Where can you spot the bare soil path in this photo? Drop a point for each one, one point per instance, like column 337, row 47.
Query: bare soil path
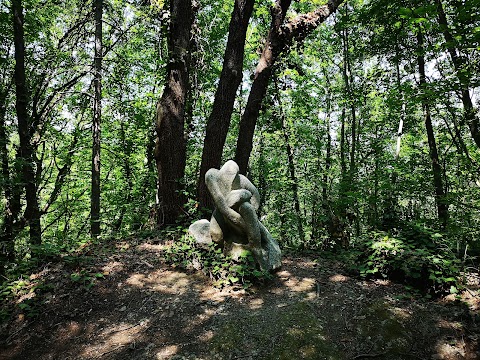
column 143, row 308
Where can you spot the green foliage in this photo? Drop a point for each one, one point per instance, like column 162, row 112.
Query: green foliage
column 85, row 278
column 27, row 291
column 223, row 270
column 414, row 256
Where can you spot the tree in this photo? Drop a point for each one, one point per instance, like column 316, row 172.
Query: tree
column 440, row 197
column 97, row 118
column 26, row 127
column 279, row 40
column 463, row 74
column 219, row 120
column 170, row 147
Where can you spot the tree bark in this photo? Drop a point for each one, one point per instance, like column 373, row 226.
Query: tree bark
column 230, row 78
column 25, row 128
column 97, row 117
column 470, row 115
column 442, row 207
column 279, row 39
column 170, row 147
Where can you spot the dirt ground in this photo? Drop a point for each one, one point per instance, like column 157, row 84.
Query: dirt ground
column 143, row 308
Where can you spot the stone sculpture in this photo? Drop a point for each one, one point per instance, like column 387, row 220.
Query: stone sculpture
column 234, row 224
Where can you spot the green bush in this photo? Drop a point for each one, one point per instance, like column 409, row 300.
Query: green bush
column 414, row 257
column 223, row 270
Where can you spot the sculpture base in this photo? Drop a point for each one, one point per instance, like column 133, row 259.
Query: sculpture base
column 268, row 256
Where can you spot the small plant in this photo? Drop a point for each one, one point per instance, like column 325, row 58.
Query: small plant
column 27, row 291
column 223, row 270
column 85, row 278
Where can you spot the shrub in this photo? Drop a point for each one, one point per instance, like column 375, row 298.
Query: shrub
column 414, row 257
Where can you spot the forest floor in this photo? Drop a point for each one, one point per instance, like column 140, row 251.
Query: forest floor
column 142, row 308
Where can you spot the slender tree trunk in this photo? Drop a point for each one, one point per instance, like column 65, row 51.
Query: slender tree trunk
column 279, row 40
column 343, row 164
column 328, row 157
column 440, row 200
column 230, row 78
column 346, row 71
column 470, row 114
column 128, row 177
column 26, row 150
column 262, row 183
column 170, row 147
column 291, row 167
column 97, row 117
column 390, row 216
column 7, row 251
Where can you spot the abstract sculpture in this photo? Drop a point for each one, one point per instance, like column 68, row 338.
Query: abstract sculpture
column 234, row 224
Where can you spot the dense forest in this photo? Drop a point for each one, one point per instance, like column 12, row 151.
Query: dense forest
column 357, row 120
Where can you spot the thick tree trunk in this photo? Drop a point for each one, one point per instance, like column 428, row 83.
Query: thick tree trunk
column 219, row 120
column 279, row 39
column 25, row 130
column 170, row 147
column 440, row 199
column 470, row 115
column 97, row 117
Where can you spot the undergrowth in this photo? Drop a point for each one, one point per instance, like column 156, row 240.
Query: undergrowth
column 414, row 255
column 223, row 270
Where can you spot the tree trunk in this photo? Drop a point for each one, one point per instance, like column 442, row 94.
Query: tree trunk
column 279, row 39
column 219, row 120
column 170, row 147
column 25, row 128
column 470, row 115
column 97, row 117
column 291, row 167
column 346, row 72
column 7, row 245
column 440, row 200
column 128, row 178
column 328, row 158
column 390, row 216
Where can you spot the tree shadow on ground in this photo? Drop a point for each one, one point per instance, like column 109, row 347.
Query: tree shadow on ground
column 145, row 309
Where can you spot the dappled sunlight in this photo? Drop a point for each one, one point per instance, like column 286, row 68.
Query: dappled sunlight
column 115, row 337
column 68, row 331
column 300, row 284
column 451, row 350
column 338, row 278
column 296, row 284
column 112, row 267
column 212, row 294
column 122, row 245
column 137, row 280
column 206, row 336
column 167, row 351
column 256, row 303
column 153, row 248
column 401, row 313
column 445, row 324
column 170, row 282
